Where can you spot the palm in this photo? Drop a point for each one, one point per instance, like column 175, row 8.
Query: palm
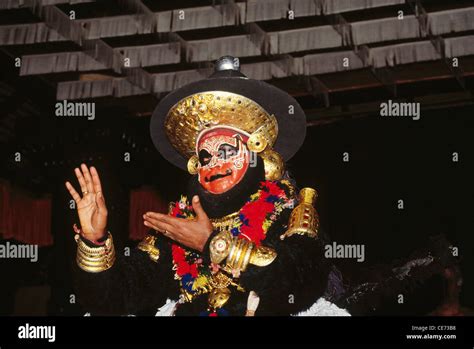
column 191, row 233
column 91, row 206
column 89, row 215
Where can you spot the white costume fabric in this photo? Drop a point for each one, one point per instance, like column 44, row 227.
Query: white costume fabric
column 322, row 307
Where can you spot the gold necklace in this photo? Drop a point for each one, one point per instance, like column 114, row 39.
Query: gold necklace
column 226, row 223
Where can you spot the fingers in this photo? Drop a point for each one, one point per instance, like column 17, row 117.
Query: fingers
column 88, row 178
column 77, row 230
column 200, row 213
column 99, row 200
column 173, row 221
column 158, row 224
column 73, row 192
column 99, row 197
column 81, row 179
column 96, row 180
column 166, row 229
column 163, row 223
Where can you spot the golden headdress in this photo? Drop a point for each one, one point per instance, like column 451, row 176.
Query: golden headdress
column 273, row 119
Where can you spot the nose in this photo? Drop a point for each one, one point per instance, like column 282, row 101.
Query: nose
column 214, row 162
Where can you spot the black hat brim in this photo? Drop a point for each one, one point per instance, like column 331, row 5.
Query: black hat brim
column 289, row 114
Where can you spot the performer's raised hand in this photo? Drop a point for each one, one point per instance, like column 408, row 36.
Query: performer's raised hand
column 91, row 206
column 192, row 233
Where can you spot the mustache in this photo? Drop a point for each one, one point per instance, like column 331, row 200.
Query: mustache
column 228, row 172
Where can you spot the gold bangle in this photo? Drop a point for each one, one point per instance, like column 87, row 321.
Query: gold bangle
column 247, row 255
column 95, row 259
column 92, row 269
column 95, row 254
column 95, row 265
column 89, row 263
column 232, row 260
column 106, row 264
column 240, row 257
column 95, row 250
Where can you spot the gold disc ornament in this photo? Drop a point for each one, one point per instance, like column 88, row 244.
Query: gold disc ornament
column 257, row 143
column 193, row 165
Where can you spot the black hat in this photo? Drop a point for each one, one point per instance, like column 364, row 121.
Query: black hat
column 227, row 98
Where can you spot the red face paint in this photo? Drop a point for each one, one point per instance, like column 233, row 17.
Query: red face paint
column 223, row 159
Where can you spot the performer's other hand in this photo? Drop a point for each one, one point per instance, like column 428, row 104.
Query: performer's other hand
column 192, row 233
column 91, row 206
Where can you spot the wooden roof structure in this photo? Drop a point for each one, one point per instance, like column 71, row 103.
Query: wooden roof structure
column 331, row 55
column 338, row 58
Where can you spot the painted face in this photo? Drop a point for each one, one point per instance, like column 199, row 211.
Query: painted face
column 223, row 160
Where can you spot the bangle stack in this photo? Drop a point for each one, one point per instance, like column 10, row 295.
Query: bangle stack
column 238, row 253
column 95, row 259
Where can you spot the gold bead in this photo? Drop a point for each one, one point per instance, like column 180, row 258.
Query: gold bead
column 202, row 108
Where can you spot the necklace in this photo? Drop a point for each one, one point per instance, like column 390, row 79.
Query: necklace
column 226, row 223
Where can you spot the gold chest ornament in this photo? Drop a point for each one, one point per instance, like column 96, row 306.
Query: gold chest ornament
column 234, row 254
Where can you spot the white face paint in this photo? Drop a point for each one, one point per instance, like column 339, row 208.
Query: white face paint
column 222, row 150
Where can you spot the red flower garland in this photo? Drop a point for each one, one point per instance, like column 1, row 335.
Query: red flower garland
column 254, row 213
column 183, row 267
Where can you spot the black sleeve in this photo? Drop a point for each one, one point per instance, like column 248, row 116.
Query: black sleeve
column 135, row 284
column 295, row 279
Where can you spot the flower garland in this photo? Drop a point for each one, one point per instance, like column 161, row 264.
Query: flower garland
column 256, row 216
column 262, row 209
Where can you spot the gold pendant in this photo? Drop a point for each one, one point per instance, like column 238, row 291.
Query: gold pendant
column 217, row 298
column 220, row 292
